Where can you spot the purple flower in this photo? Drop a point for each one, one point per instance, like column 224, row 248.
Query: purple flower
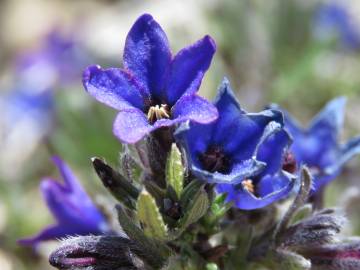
column 242, row 152
column 72, row 208
column 318, row 145
column 59, row 59
column 154, row 89
column 335, row 18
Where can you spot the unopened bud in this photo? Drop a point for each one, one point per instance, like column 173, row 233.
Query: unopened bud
column 341, row 256
column 319, row 229
column 94, row 253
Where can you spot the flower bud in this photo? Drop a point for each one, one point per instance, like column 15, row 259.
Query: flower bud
column 316, row 230
column 340, row 256
column 94, row 253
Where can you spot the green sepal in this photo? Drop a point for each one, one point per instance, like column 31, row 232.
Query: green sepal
column 219, row 207
column 196, row 208
column 150, row 218
column 129, row 166
column 302, row 213
column 175, row 171
column 190, row 192
column 157, row 192
column 287, row 260
column 122, row 189
column 152, row 251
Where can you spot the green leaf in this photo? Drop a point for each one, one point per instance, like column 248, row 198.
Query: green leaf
column 218, row 208
column 150, row 217
column 175, row 170
column 130, row 168
column 196, row 208
column 152, row 251
column 190, row 192
column 119, row 187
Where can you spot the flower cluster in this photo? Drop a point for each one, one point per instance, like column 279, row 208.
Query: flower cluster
column 199, row 181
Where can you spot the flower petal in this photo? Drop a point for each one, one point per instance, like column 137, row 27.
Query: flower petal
column 348, row 151
column 50, row 233
column 56, row 197
column 247, row 128
column 240, row 171
column 69, row 203
column 343, row 155
column 72, row 184
column 131, row 125
column 291, row 125
column 188, row 68
column 147, row 54
column 195, row 138
column 272, row 151
column 115, row 88
column 270, row 192
column 195, row 108
column 326, row 125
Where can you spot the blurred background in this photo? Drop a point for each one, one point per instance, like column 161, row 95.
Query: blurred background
column 298, row 53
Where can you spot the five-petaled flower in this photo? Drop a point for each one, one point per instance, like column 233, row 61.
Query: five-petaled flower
column 318, row 145
column 72, row 208
column 241, row 152
column 154, row 89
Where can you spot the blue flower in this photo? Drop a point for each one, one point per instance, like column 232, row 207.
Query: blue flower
column 72, row 208
column 154, row 89
column 318, row 145
column 241, row 152
column 335, row 18
column 58, row 61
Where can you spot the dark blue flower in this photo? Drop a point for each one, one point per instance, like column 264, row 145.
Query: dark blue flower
column 154, row 89
column 335, row 19
column 318, row 145
column 241, row 152
column 72, row 208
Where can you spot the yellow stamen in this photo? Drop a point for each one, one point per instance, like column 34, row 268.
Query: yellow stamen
column 248, row 185
column 158, row 112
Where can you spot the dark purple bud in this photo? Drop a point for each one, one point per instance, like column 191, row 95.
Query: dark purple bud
column 319, row 229
column 340, row 256
column 289, row 163
column 95, row 253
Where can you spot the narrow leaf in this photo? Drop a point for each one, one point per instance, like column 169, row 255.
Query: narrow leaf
column 118, row 186
column 175, row 170
column 190, row 192
column 150, row 217
column 153, row 252
column 197, row 207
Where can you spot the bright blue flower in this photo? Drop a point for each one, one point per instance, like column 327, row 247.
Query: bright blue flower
column 72, row 208
column 318, row 145
column 334, row 19
column 241, row 152
column 154, row 89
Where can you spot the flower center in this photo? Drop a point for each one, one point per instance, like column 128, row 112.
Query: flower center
column 215, row 160
column 248, row 185
column 289, row 164
column 158, row 112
